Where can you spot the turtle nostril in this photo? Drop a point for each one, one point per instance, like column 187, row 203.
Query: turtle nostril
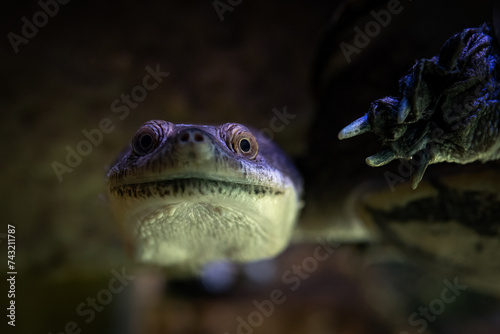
column 184, row 137
column 192, row 145
column 198, row 137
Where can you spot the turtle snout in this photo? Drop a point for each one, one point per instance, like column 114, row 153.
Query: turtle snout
column 190, row 136
column 193, row 145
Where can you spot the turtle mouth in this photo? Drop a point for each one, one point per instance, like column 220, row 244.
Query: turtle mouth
column 191, row 186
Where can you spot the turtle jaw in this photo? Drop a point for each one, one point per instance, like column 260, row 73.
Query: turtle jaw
column 193, row 221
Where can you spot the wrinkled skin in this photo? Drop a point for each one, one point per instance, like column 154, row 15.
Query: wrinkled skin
column 448, row 110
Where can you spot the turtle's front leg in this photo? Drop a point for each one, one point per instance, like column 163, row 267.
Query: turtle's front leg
column 449, row 108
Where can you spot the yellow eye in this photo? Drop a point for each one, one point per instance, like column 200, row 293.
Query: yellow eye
column 240, row 140
column 245, row 144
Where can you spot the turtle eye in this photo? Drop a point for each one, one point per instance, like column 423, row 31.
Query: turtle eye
column 240, row 140
column 147, row 138
column 245, row 145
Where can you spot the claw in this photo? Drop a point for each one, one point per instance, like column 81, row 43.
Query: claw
column 425, row 160
column 381, row 158
column 357, row 127
column 403, row 110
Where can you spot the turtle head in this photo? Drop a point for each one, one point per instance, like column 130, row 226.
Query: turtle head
column 185, row 194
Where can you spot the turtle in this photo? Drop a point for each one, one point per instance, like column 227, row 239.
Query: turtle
column 186, row 195
column 446, row 218
column 448, row 111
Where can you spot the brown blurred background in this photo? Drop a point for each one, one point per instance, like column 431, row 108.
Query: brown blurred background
column 259, row 57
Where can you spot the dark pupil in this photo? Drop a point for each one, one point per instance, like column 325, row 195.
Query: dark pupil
column 245, row 145
column 145, row 142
